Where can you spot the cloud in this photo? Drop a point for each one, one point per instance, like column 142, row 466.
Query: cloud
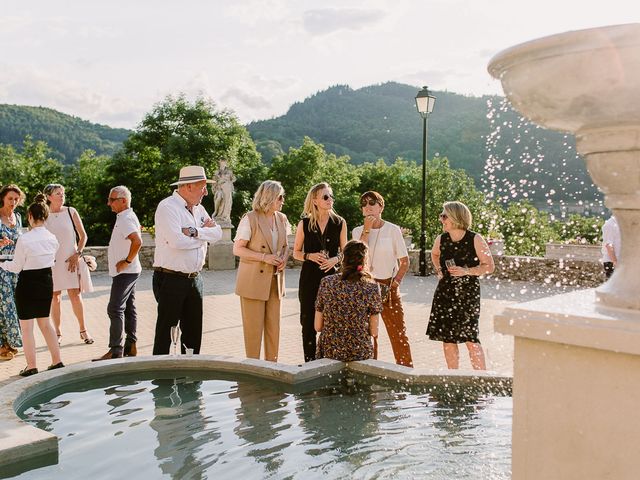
column 330, row 20
column 253, row 101
column 30, row 86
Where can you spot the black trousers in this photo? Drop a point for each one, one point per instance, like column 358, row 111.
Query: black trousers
column 179, row 301
column 122, row 309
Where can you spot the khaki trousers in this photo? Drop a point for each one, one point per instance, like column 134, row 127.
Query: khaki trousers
column 393, row 318
column 262, row 318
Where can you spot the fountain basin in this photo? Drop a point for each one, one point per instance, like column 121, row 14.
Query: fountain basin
column 28, row 443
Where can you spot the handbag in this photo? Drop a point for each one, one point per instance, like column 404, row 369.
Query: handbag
column 86, row 264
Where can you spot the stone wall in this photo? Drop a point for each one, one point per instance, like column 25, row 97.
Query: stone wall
column 529, row 269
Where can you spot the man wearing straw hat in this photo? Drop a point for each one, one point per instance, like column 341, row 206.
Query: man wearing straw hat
column 183, row 230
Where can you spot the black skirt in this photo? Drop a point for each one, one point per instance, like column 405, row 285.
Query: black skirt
column 34, row 293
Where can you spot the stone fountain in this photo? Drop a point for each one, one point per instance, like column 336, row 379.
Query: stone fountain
column 577, row 356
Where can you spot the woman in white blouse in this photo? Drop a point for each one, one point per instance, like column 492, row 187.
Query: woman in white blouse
column 33, row 258
column 261, row 244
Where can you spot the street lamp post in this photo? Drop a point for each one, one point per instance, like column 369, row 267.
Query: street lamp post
column 424, row 103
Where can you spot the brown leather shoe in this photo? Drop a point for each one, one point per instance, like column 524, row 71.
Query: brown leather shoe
column 108, row 356
column 130, row 349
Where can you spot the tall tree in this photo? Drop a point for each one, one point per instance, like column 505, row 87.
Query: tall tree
column 177, row 133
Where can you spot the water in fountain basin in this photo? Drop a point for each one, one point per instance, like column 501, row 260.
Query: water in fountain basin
column 239, row 427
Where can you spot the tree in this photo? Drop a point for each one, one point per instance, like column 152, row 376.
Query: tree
column 177, row 133
column 88, row 185
column 300, row 169
column 31, row 169
column 401, row 184
column 525, row 229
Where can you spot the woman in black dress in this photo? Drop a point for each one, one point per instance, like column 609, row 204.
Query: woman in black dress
column 460, row 256
column 320, row 236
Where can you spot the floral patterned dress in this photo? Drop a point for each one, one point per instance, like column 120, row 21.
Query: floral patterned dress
column 346, row 307
column 9, row 324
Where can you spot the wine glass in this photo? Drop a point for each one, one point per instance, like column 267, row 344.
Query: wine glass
column 175, row 335
column 280, row 255
column 450, row 263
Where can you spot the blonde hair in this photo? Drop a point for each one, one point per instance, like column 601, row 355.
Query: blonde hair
column 267, row 193
column 459, row 214
column 310, row 211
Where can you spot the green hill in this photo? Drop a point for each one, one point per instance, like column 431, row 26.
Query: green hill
column 67, row 136
column 503, row 152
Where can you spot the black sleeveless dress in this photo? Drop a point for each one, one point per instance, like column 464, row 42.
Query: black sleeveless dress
column 310, row 277
column 455, row 310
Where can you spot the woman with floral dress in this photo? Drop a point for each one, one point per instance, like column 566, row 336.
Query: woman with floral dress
column 348, row 307
column 10, row 227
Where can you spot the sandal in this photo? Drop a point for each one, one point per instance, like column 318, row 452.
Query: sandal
column 85, row 337
column 27, row 372
column 6, row 355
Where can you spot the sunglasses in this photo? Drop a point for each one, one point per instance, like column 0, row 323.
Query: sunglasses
column 443, row 216
column 111, row 199
column 327, row 197
column 364, row 202
column 280, row 197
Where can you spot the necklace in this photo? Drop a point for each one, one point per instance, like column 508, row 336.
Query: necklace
column 9, row 220
column 373, row 248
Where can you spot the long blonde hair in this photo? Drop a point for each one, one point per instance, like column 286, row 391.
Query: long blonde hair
column 310, row 211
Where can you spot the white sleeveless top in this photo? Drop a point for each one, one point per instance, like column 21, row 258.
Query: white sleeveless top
column 61, row 226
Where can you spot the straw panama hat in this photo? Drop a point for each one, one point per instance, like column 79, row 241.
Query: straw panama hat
column 191, row 174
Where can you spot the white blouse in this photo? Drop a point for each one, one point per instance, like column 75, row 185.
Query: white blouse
column 35, row 249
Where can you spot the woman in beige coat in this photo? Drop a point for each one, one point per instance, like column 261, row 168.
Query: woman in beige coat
column 261, row 244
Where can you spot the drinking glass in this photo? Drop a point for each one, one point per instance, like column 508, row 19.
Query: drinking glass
column 175, row 335
column 450, row 263
column 280, row 255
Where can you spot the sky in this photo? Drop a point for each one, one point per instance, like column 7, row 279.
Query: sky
column 110, row 61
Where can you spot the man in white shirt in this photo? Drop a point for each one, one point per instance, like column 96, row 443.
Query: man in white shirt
column 183, row 230
column 611, row 244
column 124, row 268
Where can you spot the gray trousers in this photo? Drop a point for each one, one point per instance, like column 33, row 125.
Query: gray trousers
column 122, row 309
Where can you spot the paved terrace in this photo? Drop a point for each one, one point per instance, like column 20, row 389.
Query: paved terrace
column 223, row 325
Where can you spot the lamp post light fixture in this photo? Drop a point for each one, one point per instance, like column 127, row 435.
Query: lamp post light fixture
column 424, row 103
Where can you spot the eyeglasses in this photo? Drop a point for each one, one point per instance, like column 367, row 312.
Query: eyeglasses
column 443, row 216
column 364, row 202
column 327, row 197
column 280, row 197
column 111, row 199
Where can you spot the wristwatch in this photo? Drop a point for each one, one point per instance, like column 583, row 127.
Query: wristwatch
column 193, row 232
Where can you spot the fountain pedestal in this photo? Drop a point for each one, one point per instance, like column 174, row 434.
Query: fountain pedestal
column 577, row 356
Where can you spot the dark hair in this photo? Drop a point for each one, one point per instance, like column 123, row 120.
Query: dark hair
column 39, row 210
column 354, row 259
column 11, row 188
column 371, row 195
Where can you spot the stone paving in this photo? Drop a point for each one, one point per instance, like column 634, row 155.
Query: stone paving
column 223, row 325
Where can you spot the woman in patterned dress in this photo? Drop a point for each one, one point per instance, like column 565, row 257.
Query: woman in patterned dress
column 460, row 256
column 10, row 228
column 348, row 307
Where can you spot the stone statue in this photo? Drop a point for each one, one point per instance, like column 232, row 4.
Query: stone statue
column 222, row 190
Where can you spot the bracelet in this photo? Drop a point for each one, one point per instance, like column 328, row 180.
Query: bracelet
column 305, row 256
column 127, row 260
column 263, row 255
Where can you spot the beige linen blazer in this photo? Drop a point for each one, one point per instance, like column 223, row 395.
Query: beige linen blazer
column 254, row 277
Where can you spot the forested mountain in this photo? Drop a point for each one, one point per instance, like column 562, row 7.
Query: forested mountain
column 67, row 136
column 506, row 155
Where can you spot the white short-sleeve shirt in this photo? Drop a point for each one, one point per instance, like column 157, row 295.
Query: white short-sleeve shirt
column 119, row 245
column 386, row 246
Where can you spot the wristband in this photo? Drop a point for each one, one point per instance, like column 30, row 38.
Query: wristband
column 306, row 256
column 127, row 260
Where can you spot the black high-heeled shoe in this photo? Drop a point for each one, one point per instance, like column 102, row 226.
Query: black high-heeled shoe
column 85, row 337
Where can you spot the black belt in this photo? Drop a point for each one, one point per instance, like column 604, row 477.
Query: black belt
column 174, row 272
